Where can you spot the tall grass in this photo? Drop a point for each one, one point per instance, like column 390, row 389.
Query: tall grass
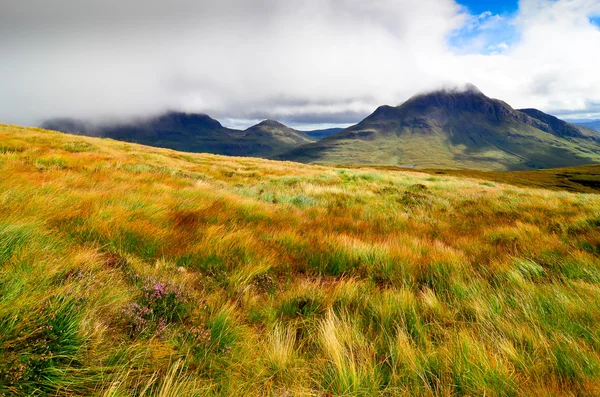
column 127, row 270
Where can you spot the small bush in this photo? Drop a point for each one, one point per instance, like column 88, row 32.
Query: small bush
column 160, row 305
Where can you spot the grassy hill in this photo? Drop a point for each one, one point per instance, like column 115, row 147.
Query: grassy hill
column 459, row 130
column 130, row 270
column 190, row 132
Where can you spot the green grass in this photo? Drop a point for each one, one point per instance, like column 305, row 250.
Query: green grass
column 134, row 271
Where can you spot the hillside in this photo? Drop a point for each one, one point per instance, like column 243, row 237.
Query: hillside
column 131, row 270
column 456, row 129
column 192, row 133
column 559, row 127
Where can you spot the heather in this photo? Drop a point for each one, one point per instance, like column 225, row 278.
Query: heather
column 133, row 271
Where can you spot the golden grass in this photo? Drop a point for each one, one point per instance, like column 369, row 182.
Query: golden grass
column 129, row 270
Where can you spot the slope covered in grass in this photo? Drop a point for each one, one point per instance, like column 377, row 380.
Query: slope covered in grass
column 128, row 270
column 457, row 130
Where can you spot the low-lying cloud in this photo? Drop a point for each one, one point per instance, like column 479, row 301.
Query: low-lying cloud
column 305, row 62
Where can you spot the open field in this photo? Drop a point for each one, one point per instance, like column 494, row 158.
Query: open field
column 583, row 178
column 580, row 179
column 129, row 270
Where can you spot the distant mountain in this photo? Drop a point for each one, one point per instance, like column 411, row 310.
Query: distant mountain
column 192, row 133
column 320, row 134
column 269, row 138
column 456, row 129
column 593, row 125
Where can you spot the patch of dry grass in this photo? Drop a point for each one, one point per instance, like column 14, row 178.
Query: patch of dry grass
column 129, row 270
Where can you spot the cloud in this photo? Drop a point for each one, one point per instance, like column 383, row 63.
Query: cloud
column 308, row 61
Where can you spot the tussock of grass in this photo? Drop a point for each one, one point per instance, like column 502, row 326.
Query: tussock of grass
column 127, row 270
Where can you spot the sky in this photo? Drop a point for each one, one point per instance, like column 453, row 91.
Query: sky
column 496, row 7
column 307, row 63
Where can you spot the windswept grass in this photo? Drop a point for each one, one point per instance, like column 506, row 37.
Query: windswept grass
column 133, row 271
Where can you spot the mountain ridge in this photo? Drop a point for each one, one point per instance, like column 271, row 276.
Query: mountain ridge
column 191, row 132
column 455, row 129
column 458, row 129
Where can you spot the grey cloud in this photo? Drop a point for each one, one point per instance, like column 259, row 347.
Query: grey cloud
column 592, row 111
column 307, row 61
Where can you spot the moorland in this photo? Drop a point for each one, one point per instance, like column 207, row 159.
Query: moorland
column 127, row 270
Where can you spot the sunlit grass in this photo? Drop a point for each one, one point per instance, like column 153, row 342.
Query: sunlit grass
column 128, row 270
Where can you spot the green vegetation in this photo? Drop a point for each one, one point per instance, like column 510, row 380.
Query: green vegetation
column 453, row 130
column 133, row 271
column 582, row 179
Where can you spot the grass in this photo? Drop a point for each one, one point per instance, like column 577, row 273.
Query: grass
column 133, row 271
column 578, row 179
column 583, row 178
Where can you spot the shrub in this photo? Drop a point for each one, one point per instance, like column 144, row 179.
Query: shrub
column 159, row 305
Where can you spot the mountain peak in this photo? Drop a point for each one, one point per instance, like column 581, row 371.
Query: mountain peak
column 458, row 128
column 472, row 88
column 188, row 120
column 466, row 99
column 469, row 91
column 272, row 124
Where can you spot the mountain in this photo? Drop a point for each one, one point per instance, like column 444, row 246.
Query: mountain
column 460, row 129
column 270, row 137
column 593, row 125
column 192, row 133
column 320, row 134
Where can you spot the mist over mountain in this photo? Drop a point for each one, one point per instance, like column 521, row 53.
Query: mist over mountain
column 456, row 129
column 191, row 132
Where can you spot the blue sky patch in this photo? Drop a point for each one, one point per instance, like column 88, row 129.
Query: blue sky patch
column 490, row 29
column 494, row 6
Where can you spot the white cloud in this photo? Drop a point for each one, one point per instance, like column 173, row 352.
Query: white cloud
column 308, row 61
column 554, row 63
column 497, row 49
